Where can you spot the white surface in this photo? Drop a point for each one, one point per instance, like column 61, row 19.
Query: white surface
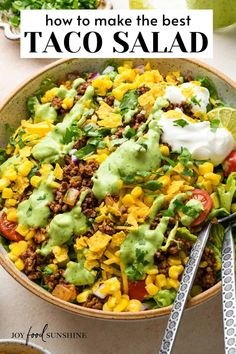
column 201, row 330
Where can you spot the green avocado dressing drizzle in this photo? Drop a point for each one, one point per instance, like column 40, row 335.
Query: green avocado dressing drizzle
column 64, row 226
column 130, row 157
column 51, row 148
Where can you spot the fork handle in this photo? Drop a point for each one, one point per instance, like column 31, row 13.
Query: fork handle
column 184, row 289
column 229, row 292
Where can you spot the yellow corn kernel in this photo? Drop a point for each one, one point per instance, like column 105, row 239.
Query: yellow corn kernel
column 152, row 271
column 82, row 297
column 12, row 256
column 10, row 203
column 217, row 266
column 152, row 289
column 111, row 286
column 175, row 271
column 134, row 306
column 67, row 102
column 7, row 193
column 53, row 267
column 200, row 179
column 182, row 255
column 174, row 260
column 214, row 178
column 206, row 167
column 25, row 168
column 19, row 264
column 17, row 248
column 172, row 283
column 22, row 230
column 178, row 168
column 10, row 174
column 233, row 207
column 161, row 281
column 4, row 183
column 148, row 200
column 58, row 172
column 54, row 184
column 196, row 289
column 122, row 305
column 30, row 235
column 185, row 260
column 100, row 158
column 203, row 264
column 12, row 214
column 106, row 307
column 35, row 181
column 150, row 279
column 128, row 200
column 207, row 186
column 111, row 302
column 137, row 192
column 165, row 180
column 164, row 150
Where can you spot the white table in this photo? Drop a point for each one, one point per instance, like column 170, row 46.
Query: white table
column 201, row 330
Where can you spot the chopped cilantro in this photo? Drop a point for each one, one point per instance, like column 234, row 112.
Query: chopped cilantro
column 129, row 101
column 71, row 133
column 195, row 101
column 214, row 124
column 3, row 155
column 185, row 157
column 10, row 130
column 168, row 213
column 152, row 185
column 206, row 82
column 180, row 122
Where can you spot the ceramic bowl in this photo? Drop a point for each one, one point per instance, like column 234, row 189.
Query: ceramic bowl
column 9, row 346
column 13, row 110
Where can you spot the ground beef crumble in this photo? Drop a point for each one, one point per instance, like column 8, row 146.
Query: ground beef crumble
column 206, row 277
column 33, row 262
column 94, row 302
column 76, row 175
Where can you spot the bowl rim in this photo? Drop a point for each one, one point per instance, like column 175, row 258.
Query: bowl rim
column 22, row 343
column 21, row 278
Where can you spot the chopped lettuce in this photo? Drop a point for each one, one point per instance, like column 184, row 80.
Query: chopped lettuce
column 171, row 237
column 216, row 240
column 207, row 83
column 162, row 299
column 227, row 191
column 184, row 233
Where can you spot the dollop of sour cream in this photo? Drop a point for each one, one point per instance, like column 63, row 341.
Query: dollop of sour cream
column 190, row 92
column 198, row 138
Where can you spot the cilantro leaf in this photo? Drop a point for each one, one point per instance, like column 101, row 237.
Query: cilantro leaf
column 3, row 155
column 196, row 101
column 152, row 185
column 180, row 122
column 214, row 124
column 206, row 82
column 129, row 101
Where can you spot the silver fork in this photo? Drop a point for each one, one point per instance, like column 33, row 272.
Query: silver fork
column 185, row 287
column 229, row 292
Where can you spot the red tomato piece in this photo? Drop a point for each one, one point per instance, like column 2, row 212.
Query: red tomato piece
column 206, row 201
column 229, row 164
column 137, row 290
column 8, row 229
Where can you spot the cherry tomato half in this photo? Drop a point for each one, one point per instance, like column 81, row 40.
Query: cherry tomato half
column 229, row 164
column 137, row 290
column 8, row 229
column 206, row 201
